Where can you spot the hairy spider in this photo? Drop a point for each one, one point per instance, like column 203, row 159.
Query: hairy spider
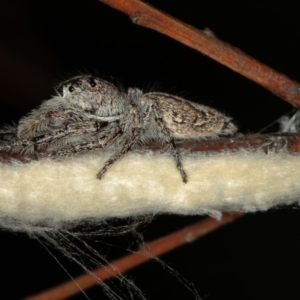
column 89, row 113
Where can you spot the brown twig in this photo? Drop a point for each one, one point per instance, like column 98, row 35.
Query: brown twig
column 276, row 142
column 206, row 43
column 147, row 251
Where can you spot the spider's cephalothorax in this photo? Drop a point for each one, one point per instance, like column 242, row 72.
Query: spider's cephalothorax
column 91, row 114
column 94, row 96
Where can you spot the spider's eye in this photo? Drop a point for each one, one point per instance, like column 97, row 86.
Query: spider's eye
column 92, row 82
column 71, row 89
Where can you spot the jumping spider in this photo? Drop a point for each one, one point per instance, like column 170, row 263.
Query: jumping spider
column 89, row 113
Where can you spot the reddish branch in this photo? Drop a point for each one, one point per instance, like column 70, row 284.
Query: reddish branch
column 206, row 43
column 276, row 142
column 147, row 251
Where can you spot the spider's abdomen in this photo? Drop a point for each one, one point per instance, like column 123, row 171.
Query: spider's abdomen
column 187, row 119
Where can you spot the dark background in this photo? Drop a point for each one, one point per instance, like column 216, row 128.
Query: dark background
column 44, row 42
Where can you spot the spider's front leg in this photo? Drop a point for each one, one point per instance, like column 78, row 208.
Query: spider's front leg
column 106, row 136
column 152, row 113
column 47, row 138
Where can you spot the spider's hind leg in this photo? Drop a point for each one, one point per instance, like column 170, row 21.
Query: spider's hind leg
column 175, row 153
column 167, row 135
column 178, row 160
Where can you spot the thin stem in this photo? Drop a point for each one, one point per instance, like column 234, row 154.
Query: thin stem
column 206, row 42
column 283, row 142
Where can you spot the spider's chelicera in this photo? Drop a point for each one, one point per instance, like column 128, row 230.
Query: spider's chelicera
column 90, row 114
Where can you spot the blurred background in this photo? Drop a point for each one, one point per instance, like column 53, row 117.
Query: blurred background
column 43, row 43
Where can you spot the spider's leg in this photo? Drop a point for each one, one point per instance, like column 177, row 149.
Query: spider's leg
column 130, row 143
column 77, row 128
column 102, row 140
column 15, row 146
column 132, row 129
column 169, row 141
